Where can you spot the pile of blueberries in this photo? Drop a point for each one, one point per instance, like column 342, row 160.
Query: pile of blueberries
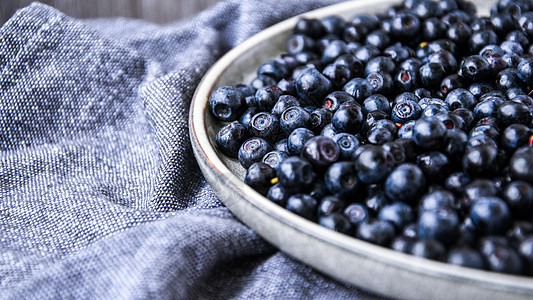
column 411, row 129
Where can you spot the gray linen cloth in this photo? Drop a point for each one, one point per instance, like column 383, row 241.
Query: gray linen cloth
column 100, row 194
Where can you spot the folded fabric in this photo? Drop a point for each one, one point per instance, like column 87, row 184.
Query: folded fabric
column 100, row 194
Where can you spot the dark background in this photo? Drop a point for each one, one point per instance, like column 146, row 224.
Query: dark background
column 157, row 11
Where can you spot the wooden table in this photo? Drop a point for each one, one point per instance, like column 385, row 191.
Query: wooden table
column 157, row 11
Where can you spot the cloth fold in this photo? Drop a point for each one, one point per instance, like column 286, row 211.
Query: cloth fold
column 100, row 194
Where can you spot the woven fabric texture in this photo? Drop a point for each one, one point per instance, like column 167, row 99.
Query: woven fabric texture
column 100, row 194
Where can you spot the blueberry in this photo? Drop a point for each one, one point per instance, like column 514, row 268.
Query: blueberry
column 476, row 68
column 405, row 26
column 519, row 197
column 432, row 110
column 490, row 215
column 373, row 117
column 481, row 23
column 321, row 152
column 432, row 29
column 378, row 38
column 405, row 183
column 278, row 194
column 273, row 69
column 253, row 150
column 230, row 138
column 459, row 33
column 466, row 115
column 398, row 52
column 504, row 259
column 333, row 101
column 451, row 82
column 246, row 117
column 402, row 244
column 428, row 248
column 309, row 27
column 294, row 117
column 406, row 111
column 524, row 70
column 336, row 222
column 347, row 144
column 296, row 174
column 507, row 78
column 521, row 164
column 266, row 97
column 519, row 231
column 320, row 117
column 281, row 145
column 406, row 80
column 367, row 20
column 397, row 213
column 476, row 189
column 479, row 88
column 515, row 136
column 525, row 249
column 397, row 150
column 338, row 75
column 312, row 86
column 341, row 179
column 435, row 165
column 444, row 58
column 460, row 98
column 465, row 257
column 411, row 64
column 482, row 38
column 356, row 66
column 481, row 160
column 297, row 139
column 429, row 133
column 518, row 36
column 376, row 231
column 258, row 176
column 374, row 164
column 356, row 213
column 380, row 64
column 329, row 205
column 359, row 88
column 348, row 119
column 328, row 131
column 379, row 136
column 440, row 224
column 503, row 23
column 366, row 52
column 512, row 112
column 333, row 50
column 455, row 143
column 334, row 25
column 431, row 74
column 354, row 33
column 406, row 130
column 375, row 202
column 274, row 158
column 303, row 205
column 487, row 108
column 284, row 102
column 376, row 102
column 265, row 125
column 299, row 43
column 457, row 182
column 437, row 199
column 226, row 103
column 381, row 82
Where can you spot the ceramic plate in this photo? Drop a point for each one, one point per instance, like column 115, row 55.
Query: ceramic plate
column 365, row 265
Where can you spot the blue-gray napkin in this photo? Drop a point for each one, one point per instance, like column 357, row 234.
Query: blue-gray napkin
column 100, row 194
